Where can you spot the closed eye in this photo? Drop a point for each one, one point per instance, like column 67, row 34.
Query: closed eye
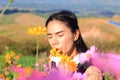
column 60, row 35
column 49, row 36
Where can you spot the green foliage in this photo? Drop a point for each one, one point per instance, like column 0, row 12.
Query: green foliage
column 27, row 61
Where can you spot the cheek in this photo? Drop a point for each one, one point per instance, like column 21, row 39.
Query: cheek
column 50, row 42
column 67, row 44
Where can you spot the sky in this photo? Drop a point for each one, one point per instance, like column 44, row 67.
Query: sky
column 65, row 4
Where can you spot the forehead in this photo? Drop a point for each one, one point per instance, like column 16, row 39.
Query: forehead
column 56, row 26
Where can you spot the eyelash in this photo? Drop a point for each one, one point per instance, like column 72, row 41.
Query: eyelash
column 49, row 37
column 60, row 35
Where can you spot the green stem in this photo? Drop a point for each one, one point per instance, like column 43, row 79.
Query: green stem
column 37, row 47
column 4, row 9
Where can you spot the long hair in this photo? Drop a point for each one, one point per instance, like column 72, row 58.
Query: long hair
column 70, row 19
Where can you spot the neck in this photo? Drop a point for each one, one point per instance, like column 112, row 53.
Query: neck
column 73, row 52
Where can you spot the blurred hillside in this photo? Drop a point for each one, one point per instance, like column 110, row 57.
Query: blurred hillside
column 95, row 31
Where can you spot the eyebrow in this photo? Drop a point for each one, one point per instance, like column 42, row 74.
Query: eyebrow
column 55, row 33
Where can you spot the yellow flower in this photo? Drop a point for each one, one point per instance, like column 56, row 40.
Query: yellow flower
column 12, row 54
column 28, row 71
column 64, row 59
column 7, row 58
column 19, row 65
column 11, row 57
column 17, row 57
column 55, row 52
column 7, row 78
column 72, row 66
column 37, row 30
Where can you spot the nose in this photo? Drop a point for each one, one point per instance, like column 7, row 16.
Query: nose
column 55, row 41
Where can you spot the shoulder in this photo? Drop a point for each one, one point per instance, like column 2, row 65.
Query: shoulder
column 93, row 73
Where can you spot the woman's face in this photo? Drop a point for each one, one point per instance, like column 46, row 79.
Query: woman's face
column 60, row 36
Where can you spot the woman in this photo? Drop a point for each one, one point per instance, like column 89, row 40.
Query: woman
column 64, row 34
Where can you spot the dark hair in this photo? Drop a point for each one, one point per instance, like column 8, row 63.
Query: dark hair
column 70, row 20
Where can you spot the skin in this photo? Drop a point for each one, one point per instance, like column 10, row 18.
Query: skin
column 60, row 36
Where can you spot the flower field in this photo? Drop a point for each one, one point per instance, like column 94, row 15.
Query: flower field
column 24, row 49
column 14, row 66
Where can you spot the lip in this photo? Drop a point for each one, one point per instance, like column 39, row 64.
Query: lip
column 59, row 49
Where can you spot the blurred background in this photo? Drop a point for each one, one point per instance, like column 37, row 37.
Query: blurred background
column 99, row 22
